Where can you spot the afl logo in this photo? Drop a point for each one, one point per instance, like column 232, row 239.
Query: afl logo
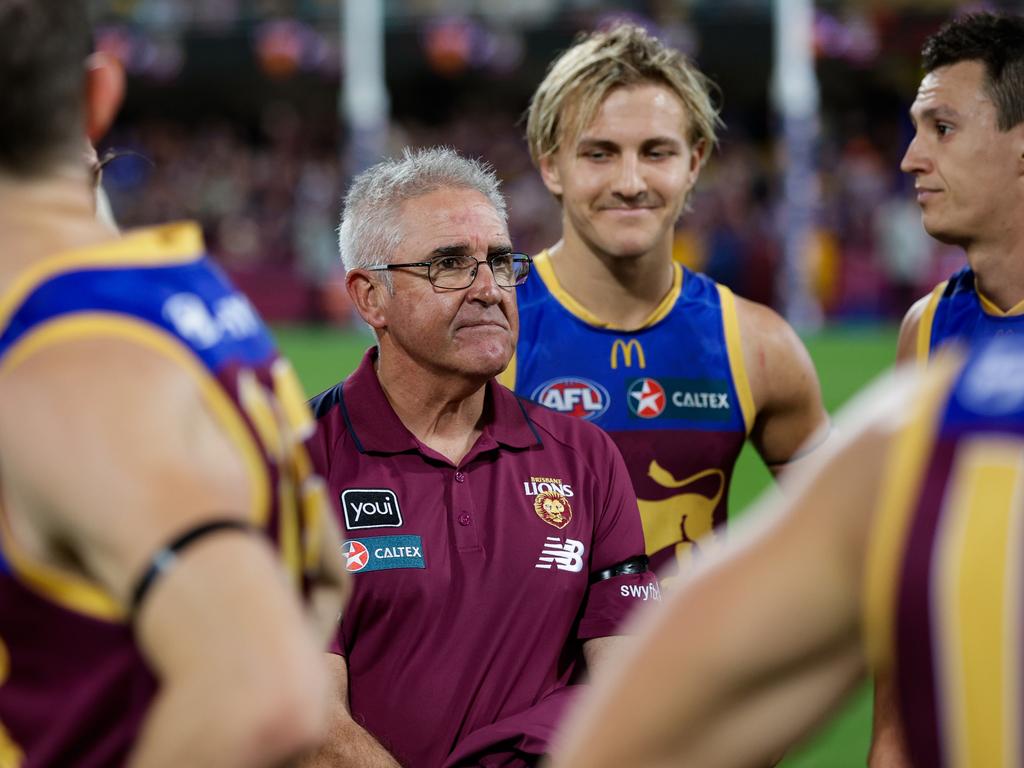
column 582, row 398
column 646, row 398
column 356, row 556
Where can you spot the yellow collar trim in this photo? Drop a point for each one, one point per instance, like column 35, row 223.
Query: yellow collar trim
column 179, row 243
column 991, row 309
column 546, row 272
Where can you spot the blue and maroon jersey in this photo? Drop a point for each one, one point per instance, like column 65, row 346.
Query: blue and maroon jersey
column 957, row 310
column 73, row 686
column 672, row 394
column 946, row 565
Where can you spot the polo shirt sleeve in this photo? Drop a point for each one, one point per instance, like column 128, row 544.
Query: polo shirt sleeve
column 618, row 537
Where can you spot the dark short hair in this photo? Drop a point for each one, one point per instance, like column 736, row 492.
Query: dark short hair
column 43, row 47
column 997, row 41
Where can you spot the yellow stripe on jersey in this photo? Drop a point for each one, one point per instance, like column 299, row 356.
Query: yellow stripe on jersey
column 737, row 364
column 508, row 376
column 901, row 483
column 167, row 245
column 70, row 590
column 65, row 589
column 977, row 553
column 546, row 271
column 924, row 327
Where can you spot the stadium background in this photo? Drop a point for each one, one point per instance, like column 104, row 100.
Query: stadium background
column 234, row 118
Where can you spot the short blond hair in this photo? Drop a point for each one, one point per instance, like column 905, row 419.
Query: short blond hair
column 579, row 80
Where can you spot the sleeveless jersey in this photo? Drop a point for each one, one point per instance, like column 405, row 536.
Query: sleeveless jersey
column 957, row 310
column 673, row 395
column 73, row 686
column 946, row 566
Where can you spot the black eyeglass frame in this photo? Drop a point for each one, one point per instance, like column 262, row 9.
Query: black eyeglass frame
column 517, row 258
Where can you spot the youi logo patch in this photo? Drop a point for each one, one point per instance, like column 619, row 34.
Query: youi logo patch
column 370, row 508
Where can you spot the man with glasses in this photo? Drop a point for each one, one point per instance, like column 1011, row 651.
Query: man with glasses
column 496, row 545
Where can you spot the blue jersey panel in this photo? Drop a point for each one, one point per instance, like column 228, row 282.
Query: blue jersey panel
column 961, row 316
column 671, row 375
column 192, row 301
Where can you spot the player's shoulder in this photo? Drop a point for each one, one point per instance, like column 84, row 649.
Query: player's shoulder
column 763, row 330
column 117, row 374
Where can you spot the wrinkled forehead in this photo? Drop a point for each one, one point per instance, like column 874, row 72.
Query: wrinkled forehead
column 452, row 219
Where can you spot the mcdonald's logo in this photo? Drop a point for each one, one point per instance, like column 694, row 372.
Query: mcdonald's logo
column 627, row 348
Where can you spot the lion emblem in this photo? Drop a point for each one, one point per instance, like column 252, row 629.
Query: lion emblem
column 553, row 508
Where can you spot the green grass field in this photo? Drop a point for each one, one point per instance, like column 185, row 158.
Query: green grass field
column 846, row 359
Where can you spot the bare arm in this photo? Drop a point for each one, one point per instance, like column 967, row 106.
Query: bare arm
column 790, row 417
column 756, row 647
column 141, row 461
column 348, row 744
column 600, row 652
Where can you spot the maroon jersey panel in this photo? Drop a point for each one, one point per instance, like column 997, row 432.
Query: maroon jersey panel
column 77, row 688
column 473, row 583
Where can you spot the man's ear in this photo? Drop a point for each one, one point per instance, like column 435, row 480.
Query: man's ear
column 698, row 155
column 550, row 175
column 369, row 297
column 104, row 91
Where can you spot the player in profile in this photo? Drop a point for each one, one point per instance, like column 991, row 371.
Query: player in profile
column 896, row 548
column 967, row 158
column 673, row 366
column 154, row 474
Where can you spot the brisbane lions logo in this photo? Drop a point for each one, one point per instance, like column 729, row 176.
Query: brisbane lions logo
column 553, row 508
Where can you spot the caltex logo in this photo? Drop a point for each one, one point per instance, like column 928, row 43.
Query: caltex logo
column 356, row 556
column 646, row 398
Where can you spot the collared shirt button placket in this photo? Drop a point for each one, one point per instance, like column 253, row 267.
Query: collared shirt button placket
column 466, row 536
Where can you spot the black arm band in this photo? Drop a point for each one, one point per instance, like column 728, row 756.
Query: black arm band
column 164, row 559
column 636, row 564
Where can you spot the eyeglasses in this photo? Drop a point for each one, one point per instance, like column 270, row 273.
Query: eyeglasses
column 454, row 272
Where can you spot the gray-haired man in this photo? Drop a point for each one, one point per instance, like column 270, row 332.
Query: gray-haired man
column 497, row 546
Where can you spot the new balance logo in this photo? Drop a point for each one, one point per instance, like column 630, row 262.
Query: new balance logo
column 567, row 556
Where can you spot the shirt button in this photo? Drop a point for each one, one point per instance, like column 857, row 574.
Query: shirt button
column 465, row 519
column 460, row 477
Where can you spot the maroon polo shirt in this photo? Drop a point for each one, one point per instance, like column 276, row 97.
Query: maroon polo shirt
column 475, row 584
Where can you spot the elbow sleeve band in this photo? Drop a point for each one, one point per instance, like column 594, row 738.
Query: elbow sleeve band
column 633, row 565
column 166, row 557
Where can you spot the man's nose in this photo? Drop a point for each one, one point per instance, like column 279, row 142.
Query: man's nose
column 630, row 181
column 484, row 287
column 914, row 159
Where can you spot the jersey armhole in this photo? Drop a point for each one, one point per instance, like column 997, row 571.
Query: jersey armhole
column 734, row 347
column 924, row 326
column 74, row 592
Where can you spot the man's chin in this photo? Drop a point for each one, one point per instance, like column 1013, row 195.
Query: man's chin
column 943, row 232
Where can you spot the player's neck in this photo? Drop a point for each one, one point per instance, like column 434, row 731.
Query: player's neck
column 622, row 292
column 999, row 272
column 442, row 411
column 40, row 217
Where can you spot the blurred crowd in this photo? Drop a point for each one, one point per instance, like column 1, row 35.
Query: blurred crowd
column 269, row 200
